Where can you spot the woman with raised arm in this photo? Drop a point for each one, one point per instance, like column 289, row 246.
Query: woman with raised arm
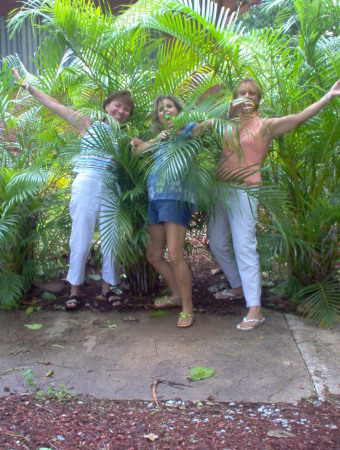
column 89, row 189
column 237, row 220
column 171, row 204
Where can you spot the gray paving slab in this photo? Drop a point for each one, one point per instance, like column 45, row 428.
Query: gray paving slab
column 320, row 349
column 105, row 356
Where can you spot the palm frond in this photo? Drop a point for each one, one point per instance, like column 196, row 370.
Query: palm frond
column 320, row 302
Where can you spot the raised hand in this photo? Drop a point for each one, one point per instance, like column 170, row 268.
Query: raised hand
column 19, row 80
column 135, row 142
column 334, row 91
column 163, row 136
column 240, row 105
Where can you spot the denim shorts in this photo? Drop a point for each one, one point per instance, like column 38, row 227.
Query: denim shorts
column 160, row 211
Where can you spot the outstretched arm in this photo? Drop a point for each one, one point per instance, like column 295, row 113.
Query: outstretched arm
column 280, row 125
column 77, row 120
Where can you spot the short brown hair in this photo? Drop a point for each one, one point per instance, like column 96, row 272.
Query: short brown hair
column 125, row 95
column 255, row 85
column 157, row 126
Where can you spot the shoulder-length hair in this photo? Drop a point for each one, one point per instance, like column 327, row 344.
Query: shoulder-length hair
column 157, row 126
column 124, row 95
column 254, row 85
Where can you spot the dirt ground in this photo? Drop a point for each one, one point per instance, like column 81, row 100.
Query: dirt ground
column 58, row 420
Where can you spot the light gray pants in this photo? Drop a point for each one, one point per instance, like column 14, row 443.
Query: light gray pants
column 89, row 203
column 232, row 240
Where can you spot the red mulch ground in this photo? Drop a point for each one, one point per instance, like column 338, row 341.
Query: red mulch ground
column 109, row 425
column 62, row 423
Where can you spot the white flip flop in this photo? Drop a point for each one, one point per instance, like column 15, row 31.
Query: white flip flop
column 257, row 323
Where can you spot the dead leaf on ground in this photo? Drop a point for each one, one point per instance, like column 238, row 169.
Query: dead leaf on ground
column 280, row 434
column 97, row 322
column 49, row 373
column 129, row 318
column 151, row 437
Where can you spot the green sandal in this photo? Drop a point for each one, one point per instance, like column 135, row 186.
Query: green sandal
column 185, row 320
column 165, row 302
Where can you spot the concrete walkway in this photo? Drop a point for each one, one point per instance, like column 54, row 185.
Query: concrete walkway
column 114, row 356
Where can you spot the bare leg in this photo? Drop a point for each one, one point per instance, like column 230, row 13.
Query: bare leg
column 175, row 237
column 75, row 290
column 105, row 287
column 72, row 302
column 155, row 255
column 112, row 299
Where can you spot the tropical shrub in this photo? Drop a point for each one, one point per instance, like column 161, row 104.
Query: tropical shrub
column 195, row 51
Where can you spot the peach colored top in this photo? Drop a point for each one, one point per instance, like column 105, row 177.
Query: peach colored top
column 245, row 165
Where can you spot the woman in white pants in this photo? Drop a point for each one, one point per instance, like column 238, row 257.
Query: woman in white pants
column 89, row 192
column 231, row 228
column 231, row 232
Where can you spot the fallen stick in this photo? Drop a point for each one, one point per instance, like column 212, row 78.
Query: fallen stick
column 153, row 390
column 12, row 370
column 279, row 388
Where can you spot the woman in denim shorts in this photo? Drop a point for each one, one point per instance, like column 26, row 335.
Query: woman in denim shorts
column 171, row 204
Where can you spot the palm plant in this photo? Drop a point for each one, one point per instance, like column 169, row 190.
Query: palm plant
column 302, row 231
column 79, row 67
column 29, row 176
column 187, row 49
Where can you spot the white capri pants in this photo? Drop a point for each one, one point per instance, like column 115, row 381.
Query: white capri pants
column 232, row 240
column 89, row 197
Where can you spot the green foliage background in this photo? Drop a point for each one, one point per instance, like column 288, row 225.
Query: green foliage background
column 185, row 48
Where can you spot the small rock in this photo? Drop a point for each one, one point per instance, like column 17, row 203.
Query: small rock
column 141, row 428
column 129, row 318
column 213, row 288
column 216, row 271
column 52, row 286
